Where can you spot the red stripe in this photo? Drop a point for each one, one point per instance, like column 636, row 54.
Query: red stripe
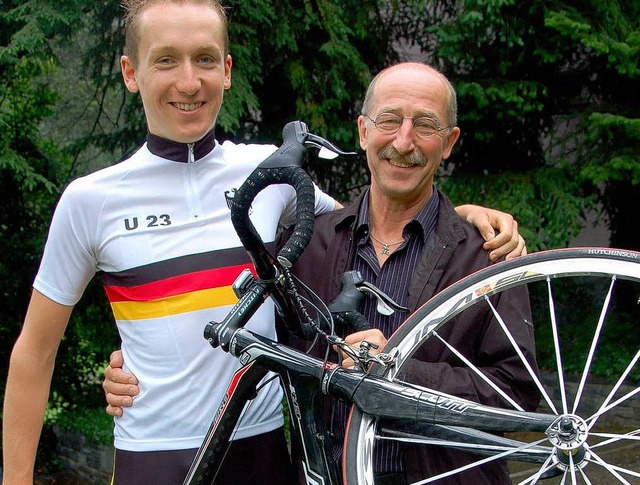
column 177, row 285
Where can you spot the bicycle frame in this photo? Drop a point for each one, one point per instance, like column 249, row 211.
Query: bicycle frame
column 306, row 378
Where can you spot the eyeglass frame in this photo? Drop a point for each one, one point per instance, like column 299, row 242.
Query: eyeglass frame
column 438, row 128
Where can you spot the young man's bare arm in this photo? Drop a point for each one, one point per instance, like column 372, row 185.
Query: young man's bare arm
column 28, row 383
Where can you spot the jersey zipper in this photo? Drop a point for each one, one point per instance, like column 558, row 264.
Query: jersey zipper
column 192, row 157
column 193, row 198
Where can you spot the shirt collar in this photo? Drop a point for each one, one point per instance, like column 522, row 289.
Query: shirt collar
column 423, row 223
column 179, row 152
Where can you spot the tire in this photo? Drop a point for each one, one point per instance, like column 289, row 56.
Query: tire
column 589, row 372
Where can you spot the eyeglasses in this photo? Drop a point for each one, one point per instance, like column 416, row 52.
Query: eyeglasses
column 423, row 126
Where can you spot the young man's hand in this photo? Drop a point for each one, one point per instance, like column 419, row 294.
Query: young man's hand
column 499, row 230
column 120, row 387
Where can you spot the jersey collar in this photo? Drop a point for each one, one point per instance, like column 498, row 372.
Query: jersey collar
column 179, row 152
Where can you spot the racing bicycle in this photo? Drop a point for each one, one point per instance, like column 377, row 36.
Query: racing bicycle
column 586, row 307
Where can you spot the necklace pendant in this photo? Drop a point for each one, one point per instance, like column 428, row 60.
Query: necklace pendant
column 385, row 246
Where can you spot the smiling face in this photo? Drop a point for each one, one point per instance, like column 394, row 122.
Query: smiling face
column 181, row 69
column 403, row 165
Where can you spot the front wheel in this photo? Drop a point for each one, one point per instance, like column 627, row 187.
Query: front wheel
column 585, row 307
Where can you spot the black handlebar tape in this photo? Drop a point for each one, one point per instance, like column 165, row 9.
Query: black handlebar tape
column 352, row 321
column 305, row 213
column 259, row 179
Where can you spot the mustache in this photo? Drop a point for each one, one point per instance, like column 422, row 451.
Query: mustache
column 416, row 157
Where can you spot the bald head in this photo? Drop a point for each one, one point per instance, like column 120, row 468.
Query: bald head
column 412, row 71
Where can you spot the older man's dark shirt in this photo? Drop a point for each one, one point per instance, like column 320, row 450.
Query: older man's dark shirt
column 393, row 278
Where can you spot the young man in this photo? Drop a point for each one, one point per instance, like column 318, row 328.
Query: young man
column 156, row 230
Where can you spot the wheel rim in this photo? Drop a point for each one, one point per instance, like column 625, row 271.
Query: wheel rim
column 575, row 448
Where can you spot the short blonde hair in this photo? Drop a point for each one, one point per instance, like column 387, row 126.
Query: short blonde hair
column 133, row 8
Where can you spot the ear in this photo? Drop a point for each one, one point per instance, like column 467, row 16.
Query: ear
column 227, row 71
column 362, row 132
column 128, row 74
column 450, row 141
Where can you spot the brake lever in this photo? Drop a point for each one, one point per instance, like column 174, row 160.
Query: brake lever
column 386, row 305
column 293, row 151
column 327, row 149
column 354, row 287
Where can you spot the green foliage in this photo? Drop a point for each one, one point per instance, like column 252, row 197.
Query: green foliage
column 95, row 424
column 29, row 162
column 619, row 44
column 33, row 169
column 612, row 142
column 547, row 213
column 314, row 67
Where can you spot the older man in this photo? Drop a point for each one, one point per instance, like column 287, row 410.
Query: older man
column 404, row 236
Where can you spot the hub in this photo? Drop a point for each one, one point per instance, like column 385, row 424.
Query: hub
column 565, row 459
column 568, row 434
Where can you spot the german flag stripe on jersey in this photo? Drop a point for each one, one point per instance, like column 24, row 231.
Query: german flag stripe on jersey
column 174, row 286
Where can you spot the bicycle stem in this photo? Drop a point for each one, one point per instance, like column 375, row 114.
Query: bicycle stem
column 221, row 334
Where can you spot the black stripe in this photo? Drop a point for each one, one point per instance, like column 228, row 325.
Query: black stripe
column 176, row 267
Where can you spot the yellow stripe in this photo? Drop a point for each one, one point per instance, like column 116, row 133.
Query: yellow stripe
column 173, row 305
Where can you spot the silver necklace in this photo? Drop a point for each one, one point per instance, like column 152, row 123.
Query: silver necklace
column 385, row 246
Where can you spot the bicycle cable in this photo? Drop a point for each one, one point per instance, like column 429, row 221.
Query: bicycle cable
column 323, row 314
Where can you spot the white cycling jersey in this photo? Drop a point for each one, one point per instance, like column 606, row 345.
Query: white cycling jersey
column 156, row 229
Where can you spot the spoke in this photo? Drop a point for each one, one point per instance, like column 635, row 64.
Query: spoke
column 601, row 411
column 594, row 344
column 556, row 344
column 584, row 477
column 471, row 447
column 614, row 438
column 481, row 374
column 623, row 377
column 544, row 468
column 564, row 478
column 518, row 350
column 612, row 469
column 475, row 464
column 572, row 468
column 619, row 469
